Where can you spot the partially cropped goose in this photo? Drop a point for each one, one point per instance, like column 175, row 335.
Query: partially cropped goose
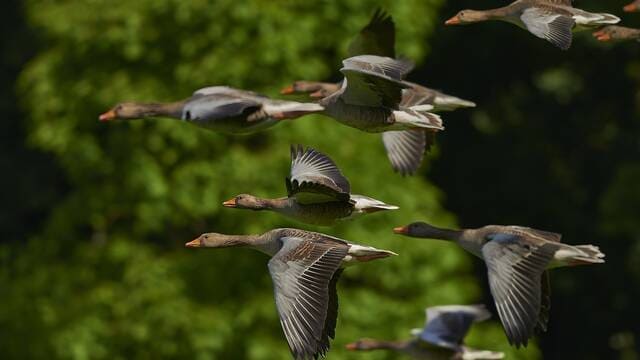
column 517, row 259
column 552, row 20
column 441, row 338
column 218, row 108
column 378, row 38
column 633, row 7
column 318, row 193
column 617, row 33
column 305, row 267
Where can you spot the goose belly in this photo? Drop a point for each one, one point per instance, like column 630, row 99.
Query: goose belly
column 234, row 125
column 325, row 214
column 365, row 118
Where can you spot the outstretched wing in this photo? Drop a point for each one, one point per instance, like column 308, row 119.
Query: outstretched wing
column 515, row 268
column 549, row 25
column 209, row 108
column 406, row 148
column 315, row 177
column 374, row 80
column 376, row 38
column 304, row 275
column 448, row 325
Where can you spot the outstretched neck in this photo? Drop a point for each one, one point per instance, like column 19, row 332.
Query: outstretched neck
column 172, row 109
column 278, row 204
column 265, row 243
column 506, row 13
column 385, row 345
column 433, row 232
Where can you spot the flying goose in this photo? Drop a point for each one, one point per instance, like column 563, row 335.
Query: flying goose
column 613, row 32
column 552, row 20
column 305, row 267
column 370, row 100
column 517, row 259
column 441, row 338
column 218, row 108
column 317, row 193
column 405, row 149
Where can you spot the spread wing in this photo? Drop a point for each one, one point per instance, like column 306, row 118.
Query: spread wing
column 515, row 268
column 406, row 148
column 304, row 276
column 215, row 107
column 315, row 178
column 377, row 38
column 549, row 25
column 448, row 325
column 374, row 80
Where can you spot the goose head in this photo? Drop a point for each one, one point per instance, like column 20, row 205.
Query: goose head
column 245, row 201
column 418, row 229
column 611, row 33
column 215, row 240
column 468, row 17
column 124, row 111
column 364, row 345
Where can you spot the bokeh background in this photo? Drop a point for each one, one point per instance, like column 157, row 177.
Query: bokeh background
column 94, row 216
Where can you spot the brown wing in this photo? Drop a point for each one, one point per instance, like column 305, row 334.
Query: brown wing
column 515, row 269
column 303, row 274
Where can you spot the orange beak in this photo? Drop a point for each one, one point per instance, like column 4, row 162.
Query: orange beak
column 351, row 346
column 602, row 36
column 231, row 203
column 109, row 115
column 400, row 230
column 193, row 243
column 631, row 8
column 287, row 90
column 453, row 21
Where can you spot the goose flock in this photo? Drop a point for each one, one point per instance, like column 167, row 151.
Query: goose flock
column 374, row 97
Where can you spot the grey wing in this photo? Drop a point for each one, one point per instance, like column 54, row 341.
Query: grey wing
column 545, row 302
column 448, row 325
column 302, row 274
column 376, row 38
column 315, row 177
column 515, row 268
column 228, row 91
column 540, row 234
column 406, row 148
column 551, row 26
column 216, row 107
column 374, row 80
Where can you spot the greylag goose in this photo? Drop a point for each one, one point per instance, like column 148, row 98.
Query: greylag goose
column 405, row 149
column 370, row 100
column 613, row 32
column 633, row 7
column 517, row 259
column 305, row 267
column 441, row 338
column 552, row 20
column 317, row 191
column 218, row 108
